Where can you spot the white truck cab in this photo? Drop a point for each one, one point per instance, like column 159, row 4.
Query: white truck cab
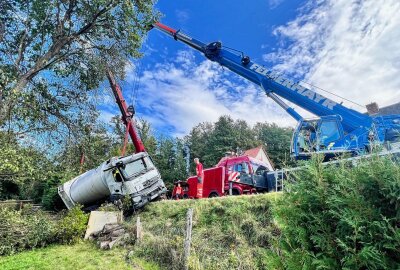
column 134, row 175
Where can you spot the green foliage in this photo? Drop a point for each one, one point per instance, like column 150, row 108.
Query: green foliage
column 210, row 141
column 71, row 228
column 22, row 170
column 170, row 160
column 24, row 229
column 340, row 217
column 69, row 44
column 228, row 233
column 277, row 140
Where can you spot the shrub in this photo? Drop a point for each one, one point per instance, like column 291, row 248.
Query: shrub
column 340, row 217
column 25, row 229
column 71, row 228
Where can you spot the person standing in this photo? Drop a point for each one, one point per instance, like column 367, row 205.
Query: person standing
column 178, row 192
column 200, row 178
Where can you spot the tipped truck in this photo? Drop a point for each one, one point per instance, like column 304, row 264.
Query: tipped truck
column 134, row 176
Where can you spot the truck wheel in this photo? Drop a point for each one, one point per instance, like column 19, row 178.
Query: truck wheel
column 235, row 192
column 213, row 195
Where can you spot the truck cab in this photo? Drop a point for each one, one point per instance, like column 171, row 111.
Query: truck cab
column 134, row 176
column 321, row 135
column 235, row 175
column 245, row 175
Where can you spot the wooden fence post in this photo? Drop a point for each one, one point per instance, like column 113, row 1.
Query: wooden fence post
column 138, row 230
column 188, row 238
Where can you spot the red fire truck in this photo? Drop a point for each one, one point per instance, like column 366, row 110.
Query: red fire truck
column 235, row 175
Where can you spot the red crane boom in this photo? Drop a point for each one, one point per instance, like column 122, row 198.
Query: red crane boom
column 126, row 113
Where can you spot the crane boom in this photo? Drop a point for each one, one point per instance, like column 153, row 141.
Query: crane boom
column 126, row 114
column 337, row 129
column 271, row 82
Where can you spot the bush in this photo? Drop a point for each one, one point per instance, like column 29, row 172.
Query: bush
column 24, row 229
column 340, row 217
column 71, row 228
column 27, row 228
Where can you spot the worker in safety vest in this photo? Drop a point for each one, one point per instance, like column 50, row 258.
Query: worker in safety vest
column 200, row 178
column 178, row 192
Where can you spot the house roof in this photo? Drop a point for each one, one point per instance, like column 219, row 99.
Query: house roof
column 253, row 152
column 391, row 109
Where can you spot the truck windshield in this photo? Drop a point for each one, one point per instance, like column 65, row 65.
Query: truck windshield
column 328, row 132
column 241, row 167
column 137, row 167
column 258, row 169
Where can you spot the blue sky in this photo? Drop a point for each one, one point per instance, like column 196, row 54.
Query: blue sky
column 348, row 47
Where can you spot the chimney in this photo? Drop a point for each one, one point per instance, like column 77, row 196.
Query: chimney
column 372, row 108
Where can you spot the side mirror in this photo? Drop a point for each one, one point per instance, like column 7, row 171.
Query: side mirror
column 120, row 164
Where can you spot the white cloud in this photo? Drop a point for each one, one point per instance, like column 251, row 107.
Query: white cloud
column 274, row 3
column 182, row 15
column 348, row 47
column 181, row 94
column 105, row 116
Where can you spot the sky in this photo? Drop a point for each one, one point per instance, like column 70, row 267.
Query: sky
column 348, row 47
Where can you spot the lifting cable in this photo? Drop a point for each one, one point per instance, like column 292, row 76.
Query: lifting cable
column 133, row 98
column 314, row 86
column 136, row 82
column 326, row 91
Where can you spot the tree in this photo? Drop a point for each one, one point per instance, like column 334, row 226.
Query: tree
column 146, row 133
column 95, row 144
column 22, row 170
column 169, row 160
column 277, row 140
column 198, row 140
column 210, row 142
column 67, row 43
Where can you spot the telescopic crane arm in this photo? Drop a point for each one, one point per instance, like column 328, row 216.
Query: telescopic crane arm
column 273, row 84
column 127, row 113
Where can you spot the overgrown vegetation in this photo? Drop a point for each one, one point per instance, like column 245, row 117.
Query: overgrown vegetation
column 228, row 233
column 72, row 227
column 29, row 228
column 333, row 217
column 340, row 217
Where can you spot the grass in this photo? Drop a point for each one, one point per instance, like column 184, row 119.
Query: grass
column 228, row 233
column 79, row 256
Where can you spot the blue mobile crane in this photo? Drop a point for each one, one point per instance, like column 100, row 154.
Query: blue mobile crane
column 336, row 129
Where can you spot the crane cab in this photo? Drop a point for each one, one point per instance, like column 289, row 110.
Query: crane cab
column 318, row 135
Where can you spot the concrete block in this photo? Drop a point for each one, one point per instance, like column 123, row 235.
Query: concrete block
column 98, row 219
